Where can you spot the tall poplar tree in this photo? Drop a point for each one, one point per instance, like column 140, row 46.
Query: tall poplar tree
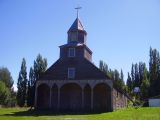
column 39, row 67
column 129, row 84
column 103, row 67
column 31, row 85
column 145, row 85
column 136, row 81
column 122, row 83
column 154, row 72
column 133, row 75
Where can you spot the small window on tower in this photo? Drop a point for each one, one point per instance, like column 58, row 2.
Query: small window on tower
column 74, row 37
column 71, row 73
column 71, row 52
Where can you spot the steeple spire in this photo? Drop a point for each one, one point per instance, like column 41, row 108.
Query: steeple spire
column 77, row 25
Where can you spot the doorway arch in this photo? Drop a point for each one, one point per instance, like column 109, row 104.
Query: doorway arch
column 101, row 98
column 43, row 97
column 70, row 97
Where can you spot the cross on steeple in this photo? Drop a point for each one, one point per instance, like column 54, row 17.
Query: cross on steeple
column 78, row 8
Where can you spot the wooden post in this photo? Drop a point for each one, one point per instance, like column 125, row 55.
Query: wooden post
column 50, row 97
column 91, row 98
column 82, row 99
column 58, row 98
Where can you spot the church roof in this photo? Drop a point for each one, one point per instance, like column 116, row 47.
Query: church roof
column 85, row 70
column 77, row 25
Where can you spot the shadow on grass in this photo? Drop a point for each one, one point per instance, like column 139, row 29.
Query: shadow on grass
column 47, row 113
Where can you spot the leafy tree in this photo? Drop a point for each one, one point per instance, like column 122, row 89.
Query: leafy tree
column 116, row 76
column 129, row 84
column 122, row 76
column 133, row 74
column 119, row 79
column 22, row 84
column 142, row 66
column 103, row 67
column 39, row 67
column 6, row 77
column 30, row 91
column 136, row 81
column 122, row 83
column 4, row 94
column 154, row 72
column 145, row 85
column 7, row 97
column 113, row 74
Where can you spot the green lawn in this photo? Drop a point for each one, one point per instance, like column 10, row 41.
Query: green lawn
column 123, row 114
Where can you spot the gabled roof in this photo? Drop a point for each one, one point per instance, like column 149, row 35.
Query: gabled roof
column 77, row 25
column 85, row 70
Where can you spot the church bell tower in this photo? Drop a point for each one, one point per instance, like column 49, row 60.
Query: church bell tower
column 76, row 33
column 76, row 47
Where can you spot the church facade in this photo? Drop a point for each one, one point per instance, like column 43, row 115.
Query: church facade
column 74, row 83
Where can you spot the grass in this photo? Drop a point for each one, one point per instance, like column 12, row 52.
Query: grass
column 123, row 114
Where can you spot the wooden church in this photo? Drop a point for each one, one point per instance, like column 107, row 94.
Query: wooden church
column 74, row 83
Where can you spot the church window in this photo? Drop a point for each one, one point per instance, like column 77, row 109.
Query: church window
column 73, row 37
column 71, row 73
column 71, row 52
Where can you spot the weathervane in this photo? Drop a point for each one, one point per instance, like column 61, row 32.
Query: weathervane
column 78, row 8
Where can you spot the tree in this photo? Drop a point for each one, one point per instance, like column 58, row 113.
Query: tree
column 114, row 75
column 22, row 84
column 39, row 67
column 122, row 76
column 6, row 98
column 118, row 77
column 30, row 92
column 5, row 76
column 142, row 66
column 136, row 81
column 103, row 67
column 133, row 75
column 129, row 84
column 122, row 83
column 4, row 94
column 154, row 72
column 145, row 85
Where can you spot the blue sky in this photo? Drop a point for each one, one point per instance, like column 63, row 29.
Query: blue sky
column 120, row 32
